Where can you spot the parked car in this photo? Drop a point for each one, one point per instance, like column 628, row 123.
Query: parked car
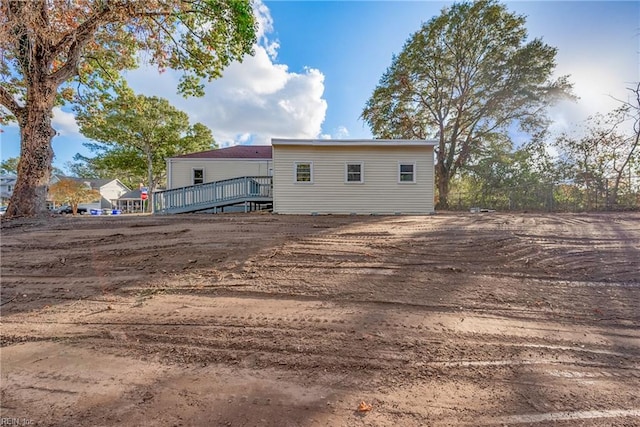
column 3, row 209
column 66, row 209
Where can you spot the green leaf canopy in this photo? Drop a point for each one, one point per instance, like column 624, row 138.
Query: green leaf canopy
column 136, row 134
column 51, row 48
column 466, row 76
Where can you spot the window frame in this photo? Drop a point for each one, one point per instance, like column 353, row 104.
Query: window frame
column 346, row 172
column 295, row 172
column 193, row 176
column 413, row 172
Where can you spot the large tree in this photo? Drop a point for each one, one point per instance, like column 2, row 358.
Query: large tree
column 49, row 47
column 465, row 76
column 136, row 134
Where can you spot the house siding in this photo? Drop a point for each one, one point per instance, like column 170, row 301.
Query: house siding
column 111, row 192
column 380, row 193
column 7, row 183
column 180, row 170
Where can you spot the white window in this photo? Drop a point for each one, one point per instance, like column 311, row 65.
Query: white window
column 198, row 176
column 303, row 172
column 406, row 172
column 354, row 172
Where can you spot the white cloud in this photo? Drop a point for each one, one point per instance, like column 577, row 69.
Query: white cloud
column 265, row 27
column 341, row 132
column 253, row 101
column 64, row 123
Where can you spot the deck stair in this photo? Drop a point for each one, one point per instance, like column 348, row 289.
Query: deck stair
column 247, row 191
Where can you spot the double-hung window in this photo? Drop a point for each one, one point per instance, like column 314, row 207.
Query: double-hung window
column 303, row 172
column 198, row 176
column 406, row 172
column 354, row 172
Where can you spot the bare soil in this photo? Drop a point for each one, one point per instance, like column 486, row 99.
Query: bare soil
column 266, row 320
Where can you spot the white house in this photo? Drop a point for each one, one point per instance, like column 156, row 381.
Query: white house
column 7, row 183
column 218, row 165
column 353, row 176
column 309, row 177
column 110, row 190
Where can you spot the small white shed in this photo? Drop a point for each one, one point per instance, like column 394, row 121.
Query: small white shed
column 353, row 176
column 217, row 165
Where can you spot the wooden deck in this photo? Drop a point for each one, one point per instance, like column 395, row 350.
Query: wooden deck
column 247, row 191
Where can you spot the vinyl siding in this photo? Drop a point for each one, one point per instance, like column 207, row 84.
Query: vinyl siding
column 380, row 193
column 215, row 170
column 111, row 192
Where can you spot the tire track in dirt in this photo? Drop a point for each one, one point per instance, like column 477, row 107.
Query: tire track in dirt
column 444, row 320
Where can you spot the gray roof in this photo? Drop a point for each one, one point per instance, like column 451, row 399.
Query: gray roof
column 94, row 183
column 135, row 194
column 235, row 152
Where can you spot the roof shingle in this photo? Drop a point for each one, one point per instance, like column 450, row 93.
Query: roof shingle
column 235, row 152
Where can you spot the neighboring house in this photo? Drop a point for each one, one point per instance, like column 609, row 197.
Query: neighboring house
column 353, row 176
column 130, row 202
column 7, row 183
column 110, row 190
column 217, row 165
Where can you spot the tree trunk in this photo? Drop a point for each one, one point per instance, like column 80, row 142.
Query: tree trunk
column 150, row 184
column 442, row 182
column 34, row 168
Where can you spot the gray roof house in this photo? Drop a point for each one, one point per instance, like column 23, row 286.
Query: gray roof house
column 110, row 189
column 7, row 182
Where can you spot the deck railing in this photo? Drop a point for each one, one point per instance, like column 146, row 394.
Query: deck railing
column 213, row 194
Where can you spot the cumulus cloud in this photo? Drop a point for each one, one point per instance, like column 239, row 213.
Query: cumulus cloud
column 253, row 101
column 341, row 132
column 265, row 27
column 64, row 123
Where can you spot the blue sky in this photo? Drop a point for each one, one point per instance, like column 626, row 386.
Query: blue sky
column 317, row 63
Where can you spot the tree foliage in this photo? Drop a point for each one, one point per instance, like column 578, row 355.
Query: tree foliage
column 135, row 134
column 465, row 77
column 506, row 178
column 597, row 166
column 81, row 166
column 607, row 151
column 72, row 192
column 10, row 165
column 50, row 48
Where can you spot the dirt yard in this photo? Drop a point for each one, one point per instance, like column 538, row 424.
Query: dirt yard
column 265, row 320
